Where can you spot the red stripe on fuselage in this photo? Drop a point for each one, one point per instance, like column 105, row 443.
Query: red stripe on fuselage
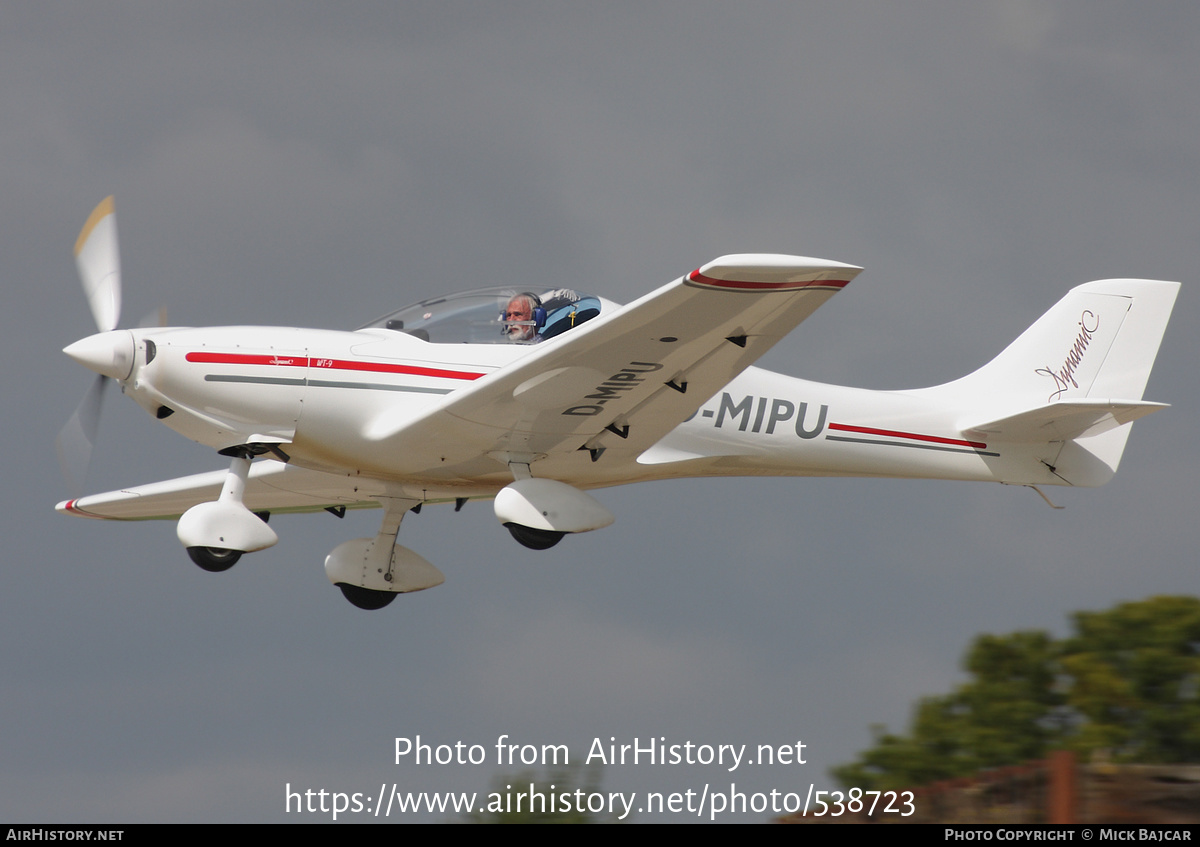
column 892, row 433
column 746, row 285
column 321, row 363
column 247, row 359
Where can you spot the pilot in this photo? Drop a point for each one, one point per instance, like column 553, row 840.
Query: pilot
column 527, row 314
column 520, row 318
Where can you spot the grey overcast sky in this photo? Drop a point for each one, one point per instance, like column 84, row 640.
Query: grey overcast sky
column 317, row 165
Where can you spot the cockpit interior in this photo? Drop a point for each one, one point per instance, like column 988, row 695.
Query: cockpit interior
column 480, row 316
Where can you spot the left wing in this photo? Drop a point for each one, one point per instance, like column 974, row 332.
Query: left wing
column 272, row 487
column 624, row 379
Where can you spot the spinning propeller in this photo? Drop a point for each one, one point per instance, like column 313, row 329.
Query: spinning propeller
column 109, row 353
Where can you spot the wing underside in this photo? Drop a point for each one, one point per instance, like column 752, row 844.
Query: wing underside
column 625, row 380
column 272, row 487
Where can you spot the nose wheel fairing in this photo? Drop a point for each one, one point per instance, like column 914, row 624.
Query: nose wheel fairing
column 226, row 524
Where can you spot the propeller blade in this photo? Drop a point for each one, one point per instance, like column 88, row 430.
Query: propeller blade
column 75, row 441
column 99, row 263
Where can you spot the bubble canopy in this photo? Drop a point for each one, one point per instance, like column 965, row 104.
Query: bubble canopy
column 476, row 317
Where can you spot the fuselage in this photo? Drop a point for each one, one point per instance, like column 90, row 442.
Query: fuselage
column 320, row 395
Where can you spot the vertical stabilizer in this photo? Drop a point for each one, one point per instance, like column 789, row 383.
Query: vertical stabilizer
column 1074, row 378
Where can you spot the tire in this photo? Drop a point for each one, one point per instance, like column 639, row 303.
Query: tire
column 534, row 539
column 366, row 598
column 214, row 559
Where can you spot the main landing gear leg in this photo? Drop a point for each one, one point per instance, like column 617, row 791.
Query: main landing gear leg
column 371, row 571
column 539, row 512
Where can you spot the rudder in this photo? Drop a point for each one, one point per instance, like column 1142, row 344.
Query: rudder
column 1076, row 376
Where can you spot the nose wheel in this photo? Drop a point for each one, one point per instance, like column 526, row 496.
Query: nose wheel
column 216, row 534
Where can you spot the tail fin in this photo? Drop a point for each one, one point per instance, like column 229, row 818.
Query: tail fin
column 1074, row 378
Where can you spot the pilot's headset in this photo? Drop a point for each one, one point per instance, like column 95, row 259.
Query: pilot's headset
column 539, row 314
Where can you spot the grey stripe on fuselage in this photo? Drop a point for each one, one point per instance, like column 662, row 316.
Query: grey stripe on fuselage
column 323, row 383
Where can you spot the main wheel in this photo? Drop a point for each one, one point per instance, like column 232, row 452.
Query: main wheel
column 366, row 598
column 535, row 539
column 214, row 559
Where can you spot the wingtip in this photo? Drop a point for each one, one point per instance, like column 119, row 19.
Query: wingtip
column 762, row 272
column 71, row 507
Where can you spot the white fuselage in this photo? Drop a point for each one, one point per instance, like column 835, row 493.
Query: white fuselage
column 320, row 395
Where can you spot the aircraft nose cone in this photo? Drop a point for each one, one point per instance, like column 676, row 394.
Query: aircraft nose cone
column 107, row 353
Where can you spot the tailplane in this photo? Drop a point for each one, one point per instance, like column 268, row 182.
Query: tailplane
column 1075, row 378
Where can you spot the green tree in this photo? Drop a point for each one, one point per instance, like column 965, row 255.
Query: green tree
column 1126, row 681
column 1134, row 677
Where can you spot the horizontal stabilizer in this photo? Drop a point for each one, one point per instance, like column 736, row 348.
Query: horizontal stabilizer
column 1063, row 420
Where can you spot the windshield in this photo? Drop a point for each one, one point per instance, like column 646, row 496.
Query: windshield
column 477, row 317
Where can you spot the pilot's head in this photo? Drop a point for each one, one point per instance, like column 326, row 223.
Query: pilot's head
column 520, row 317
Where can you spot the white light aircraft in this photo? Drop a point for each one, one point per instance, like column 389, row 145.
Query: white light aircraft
column 437, row 404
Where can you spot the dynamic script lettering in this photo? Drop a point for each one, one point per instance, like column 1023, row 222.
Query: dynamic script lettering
column 1064, row 377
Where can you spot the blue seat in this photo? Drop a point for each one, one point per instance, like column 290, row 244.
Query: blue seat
column 572, row 315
